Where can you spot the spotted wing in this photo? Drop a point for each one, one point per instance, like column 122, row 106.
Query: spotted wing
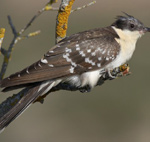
column 82, row 52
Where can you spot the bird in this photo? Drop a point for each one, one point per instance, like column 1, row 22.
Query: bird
column 78, row 60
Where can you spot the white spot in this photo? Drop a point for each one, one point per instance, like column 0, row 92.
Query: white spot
column 44, row 61
column 100, row 49
column 67, row 54
column 107, row 58
column 77, row 45
column 68, row 50
column 46, row 55
column 69, row 60
column 78, row 48
column 89, row 67
column 52, row 51
column 103, row 51
column 99, row 65
column 93, row 53
column 71, row 69
column 73, row 64
column 93, row 63
column 87, row 60
column 99, row 58
column 35, row 67
column 45, row 84
column 27, row 71
column 82, row 53
column 18, row 75
column 50, row 65
column 39, row 64
column 89, row 50
column 8, row 78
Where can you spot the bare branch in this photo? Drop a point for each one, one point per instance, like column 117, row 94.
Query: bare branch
column 62, row 19
column 84, row 6
column 12, row 26
column 3, row 51
column 29, row 35
column 2, row 33
column 47, row 7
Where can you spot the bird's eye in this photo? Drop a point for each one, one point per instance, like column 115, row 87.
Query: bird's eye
column 132, row 26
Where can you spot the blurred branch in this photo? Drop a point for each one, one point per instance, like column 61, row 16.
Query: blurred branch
column 84, row 6
column 18, row 36
column 2, row 33
column 47, row 7
column 7, row 53
column 11, row 102
column 12, row 26
column 29, row 35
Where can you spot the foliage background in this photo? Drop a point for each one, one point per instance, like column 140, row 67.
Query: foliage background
column 116, row 111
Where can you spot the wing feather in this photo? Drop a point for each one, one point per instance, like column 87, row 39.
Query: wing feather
column 85, row 51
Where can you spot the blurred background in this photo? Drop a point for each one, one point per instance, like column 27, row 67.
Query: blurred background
column 117, row 111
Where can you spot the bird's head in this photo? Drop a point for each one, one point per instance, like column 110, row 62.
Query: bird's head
column 130, row 25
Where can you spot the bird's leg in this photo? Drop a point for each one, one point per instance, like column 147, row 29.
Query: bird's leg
column 125, row 69
column 110, row 75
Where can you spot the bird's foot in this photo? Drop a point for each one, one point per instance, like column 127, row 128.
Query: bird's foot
column 110, row 75
column 124, row 69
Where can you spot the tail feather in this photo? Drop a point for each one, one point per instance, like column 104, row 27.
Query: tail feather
column 30, row 96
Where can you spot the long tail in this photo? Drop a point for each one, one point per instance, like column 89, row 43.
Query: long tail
column 31, row 94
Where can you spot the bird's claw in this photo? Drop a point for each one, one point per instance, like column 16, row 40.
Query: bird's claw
column 110, row 75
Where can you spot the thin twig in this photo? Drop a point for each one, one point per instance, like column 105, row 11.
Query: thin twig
column 47, row 7
column 3, row 51
column 29, row 35
column 84, row 6
column 12, row 26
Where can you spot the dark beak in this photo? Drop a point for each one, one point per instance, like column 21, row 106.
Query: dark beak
column 146, row 29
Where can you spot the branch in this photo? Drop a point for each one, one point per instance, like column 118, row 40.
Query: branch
column 84, row 6
column 11, row 102
column 62, row 19
column 2, row 33
column 18, row 36
column 47, row 7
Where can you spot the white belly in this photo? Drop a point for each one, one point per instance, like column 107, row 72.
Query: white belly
column 125, row 54
column 88, row 78
column 127, row 42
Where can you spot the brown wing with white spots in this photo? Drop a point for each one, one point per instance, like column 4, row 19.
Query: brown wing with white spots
column 82, row 52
